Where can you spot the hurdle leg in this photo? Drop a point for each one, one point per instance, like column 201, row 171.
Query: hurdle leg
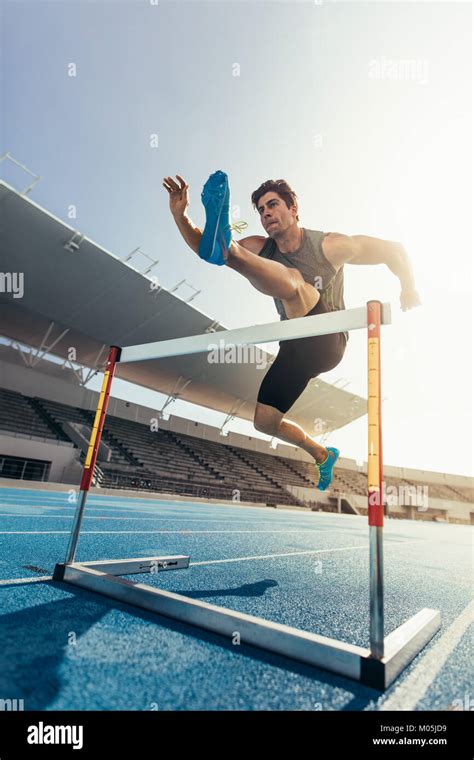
column 91, row 457
column 375, row 478
column 109, row 567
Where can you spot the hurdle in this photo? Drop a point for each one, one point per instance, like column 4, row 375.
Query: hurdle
column 376, row 666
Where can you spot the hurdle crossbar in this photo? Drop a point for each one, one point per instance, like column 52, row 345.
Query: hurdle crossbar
column 387, row 656
column 290, row 329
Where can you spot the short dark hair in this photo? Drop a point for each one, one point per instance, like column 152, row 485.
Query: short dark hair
column 278, row 186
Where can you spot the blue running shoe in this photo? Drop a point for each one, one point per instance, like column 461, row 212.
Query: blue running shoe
column 325, row 468
column 217, row 235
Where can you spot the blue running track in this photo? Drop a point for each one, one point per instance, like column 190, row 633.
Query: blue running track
column 68, row 649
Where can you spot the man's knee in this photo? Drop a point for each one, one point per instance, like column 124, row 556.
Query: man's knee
column 305, row 297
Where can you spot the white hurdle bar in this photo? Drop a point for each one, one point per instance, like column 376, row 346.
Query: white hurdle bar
column 269, row 332
column 377, row 666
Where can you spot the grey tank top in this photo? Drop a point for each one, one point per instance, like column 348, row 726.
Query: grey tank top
column 310, row 260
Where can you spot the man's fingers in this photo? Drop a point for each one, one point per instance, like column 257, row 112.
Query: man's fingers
column 182, row 181
column 168, row 185
column 173, row 186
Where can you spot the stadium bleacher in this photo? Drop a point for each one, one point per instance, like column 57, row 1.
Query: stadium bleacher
column 19, row 416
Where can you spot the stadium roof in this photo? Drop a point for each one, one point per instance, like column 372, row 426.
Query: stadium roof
column 77, row 294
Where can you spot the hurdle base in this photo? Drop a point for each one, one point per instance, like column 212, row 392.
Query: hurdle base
column 128, row 566
column 401, row 646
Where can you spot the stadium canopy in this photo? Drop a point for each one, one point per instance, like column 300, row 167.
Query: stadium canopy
column 78, row 295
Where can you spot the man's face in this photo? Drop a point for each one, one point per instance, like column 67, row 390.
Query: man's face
column 275, row 215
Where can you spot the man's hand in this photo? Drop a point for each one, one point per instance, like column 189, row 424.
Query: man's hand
column 409, row 299
column 179, row 201
column 179, row 198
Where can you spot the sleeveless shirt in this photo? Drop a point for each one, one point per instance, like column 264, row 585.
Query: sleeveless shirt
column 310, row 260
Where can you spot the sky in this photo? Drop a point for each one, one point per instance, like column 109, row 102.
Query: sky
column 365, row 108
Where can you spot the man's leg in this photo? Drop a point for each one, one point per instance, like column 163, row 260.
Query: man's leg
column 272, row 422
column 274, row 279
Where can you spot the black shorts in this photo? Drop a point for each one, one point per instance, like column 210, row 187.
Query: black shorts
column 297, row 362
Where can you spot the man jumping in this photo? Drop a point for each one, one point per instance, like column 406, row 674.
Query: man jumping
column 303, row 270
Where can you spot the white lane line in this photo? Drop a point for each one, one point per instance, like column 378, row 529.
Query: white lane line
column 66, row 502
column 93, row 496
column 164, row 532
column 407, row 695
column 183, row 532
column 106, row 517
column 148, row 504
column 99, row 508
column 277, row 556
column 295, row 554
column 151, row 510
column 131, row 518
column 40, row 578
column 155, row 517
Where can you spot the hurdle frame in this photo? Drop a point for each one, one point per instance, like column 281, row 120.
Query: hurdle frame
column 377, row 666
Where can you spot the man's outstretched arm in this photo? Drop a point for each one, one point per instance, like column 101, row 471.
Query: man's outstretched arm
column 362, row 249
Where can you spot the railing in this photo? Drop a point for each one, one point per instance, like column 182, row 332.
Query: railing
column 184, row 488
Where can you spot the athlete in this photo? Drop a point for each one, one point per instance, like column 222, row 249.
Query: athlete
column 303, row 270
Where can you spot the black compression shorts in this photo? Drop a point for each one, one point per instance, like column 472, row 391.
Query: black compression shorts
column 297, row 362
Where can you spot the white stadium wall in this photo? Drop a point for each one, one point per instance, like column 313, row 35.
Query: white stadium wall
column 60, row 454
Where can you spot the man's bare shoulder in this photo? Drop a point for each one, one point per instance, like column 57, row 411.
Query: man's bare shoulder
column 332, row 244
